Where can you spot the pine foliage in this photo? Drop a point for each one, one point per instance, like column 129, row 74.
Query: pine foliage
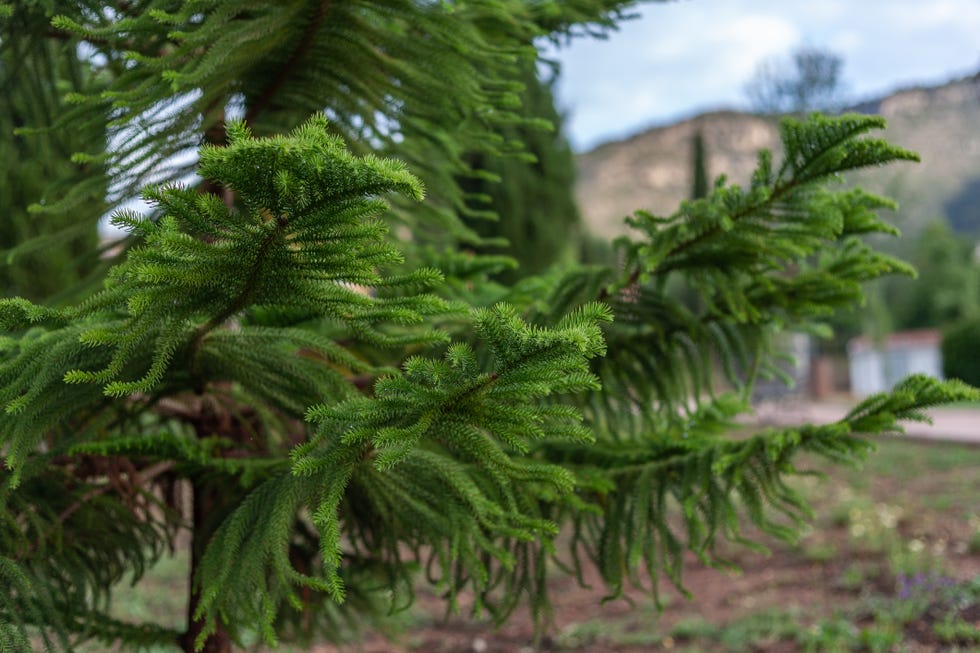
column 302, row 243
column 432, row 81
column 354, row 409
column 529, row 201
column 784, row 253
column 45, row 247
column 431, row 467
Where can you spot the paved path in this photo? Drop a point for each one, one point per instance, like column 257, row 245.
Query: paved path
column 949, row 424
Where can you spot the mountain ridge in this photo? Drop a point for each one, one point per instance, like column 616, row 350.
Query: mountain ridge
column 652, row 169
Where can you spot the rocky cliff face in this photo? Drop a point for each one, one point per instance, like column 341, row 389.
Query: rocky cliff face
column 654, row 170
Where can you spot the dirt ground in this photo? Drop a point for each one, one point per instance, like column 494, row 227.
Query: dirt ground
column 870, row 526
column 780, row 581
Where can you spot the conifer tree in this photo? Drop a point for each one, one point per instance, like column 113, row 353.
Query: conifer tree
column 529, row 201
column 947, row 289
column 699, row 185
column 343, row 398
column 41, row 190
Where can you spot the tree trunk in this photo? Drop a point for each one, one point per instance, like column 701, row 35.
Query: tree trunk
column 206, row 506
column 206, row 497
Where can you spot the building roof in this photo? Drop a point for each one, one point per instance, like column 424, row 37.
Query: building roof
column 924, row 338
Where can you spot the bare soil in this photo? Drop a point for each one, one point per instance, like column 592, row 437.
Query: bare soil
column 937, row 513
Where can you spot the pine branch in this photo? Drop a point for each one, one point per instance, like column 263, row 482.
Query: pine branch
column 320, row 237
column 714, row 282
column 143, row 477
column 245, row 295
column 436, row 452
column 657, row 497
column 289, row 68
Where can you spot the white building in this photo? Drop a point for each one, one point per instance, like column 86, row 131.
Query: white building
column 877, row 367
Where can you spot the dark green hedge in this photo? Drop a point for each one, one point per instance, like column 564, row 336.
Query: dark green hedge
column 961, row 352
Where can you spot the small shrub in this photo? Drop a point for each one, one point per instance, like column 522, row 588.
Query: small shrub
column 837, row 634
column 973, row 544
column 961, row 352
column 858, row 576
column 957, row 630
column 879, row 638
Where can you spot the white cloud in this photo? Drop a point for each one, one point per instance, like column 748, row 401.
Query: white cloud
column 916, row 16
column 748, row 40
column 654, row 68
column 686, row 56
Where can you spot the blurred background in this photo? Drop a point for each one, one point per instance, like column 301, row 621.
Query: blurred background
column 693, row 89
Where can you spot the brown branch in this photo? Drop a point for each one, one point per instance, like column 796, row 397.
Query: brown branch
column 306, row 42
column 140, row 478
column 243, row 297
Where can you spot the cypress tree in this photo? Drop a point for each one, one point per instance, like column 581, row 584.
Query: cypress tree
column 699, row 186
column 349, row 399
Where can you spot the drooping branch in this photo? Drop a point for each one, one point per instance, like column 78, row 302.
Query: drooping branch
column 305, row 43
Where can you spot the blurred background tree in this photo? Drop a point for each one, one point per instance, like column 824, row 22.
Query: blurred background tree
column 947, row 289
column 699, row 164
column 808, row 80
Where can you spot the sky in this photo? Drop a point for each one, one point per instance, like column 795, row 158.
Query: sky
column 687, row 56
